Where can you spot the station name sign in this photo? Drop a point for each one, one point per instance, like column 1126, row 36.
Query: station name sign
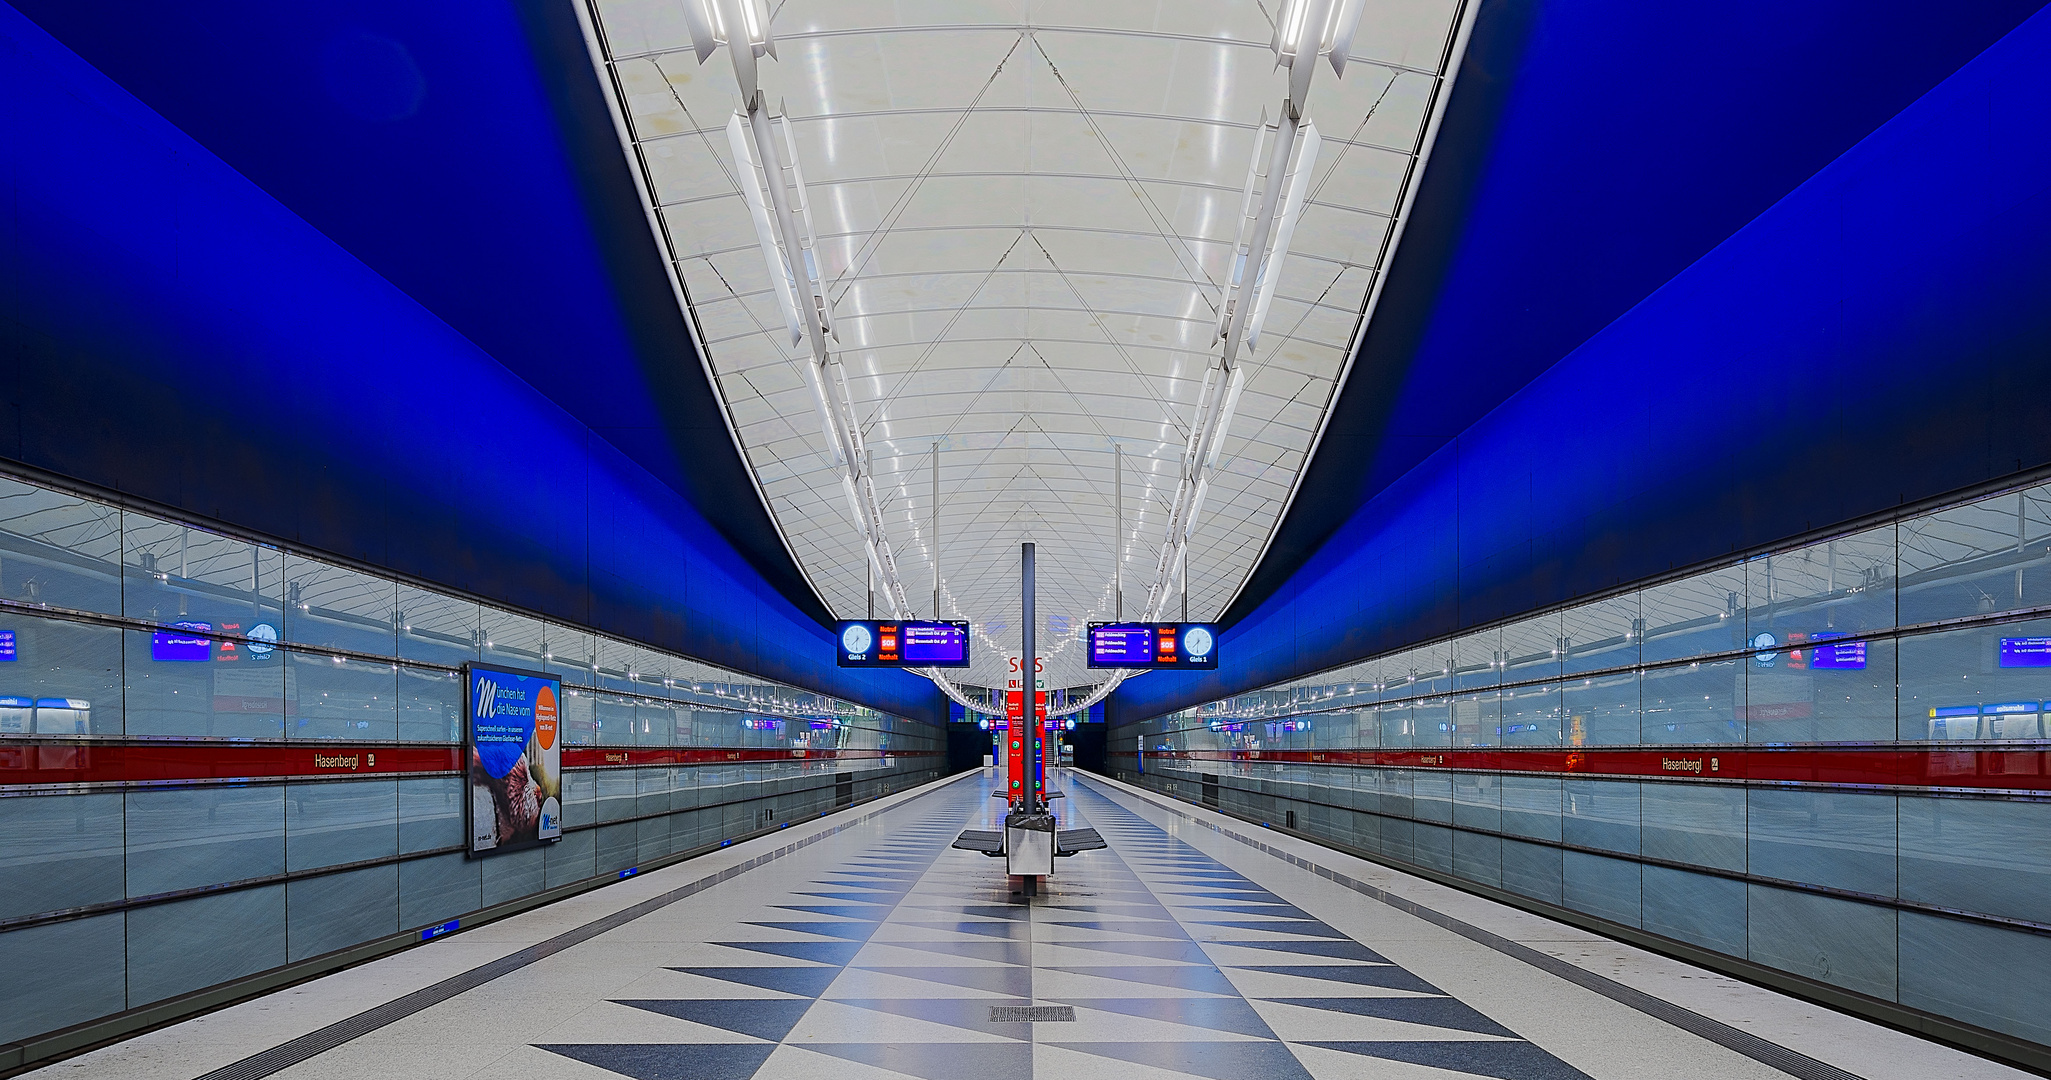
column 869, row 643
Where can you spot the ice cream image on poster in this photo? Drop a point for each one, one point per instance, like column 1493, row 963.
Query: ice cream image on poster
column 513, row 744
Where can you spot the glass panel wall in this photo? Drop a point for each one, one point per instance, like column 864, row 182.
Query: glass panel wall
column 190, row 732
column 1829, row 759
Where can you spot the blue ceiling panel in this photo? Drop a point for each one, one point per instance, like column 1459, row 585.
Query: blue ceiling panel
column 1876, row 338
column 1592, row 150
column 464, row 151
column 173, row 332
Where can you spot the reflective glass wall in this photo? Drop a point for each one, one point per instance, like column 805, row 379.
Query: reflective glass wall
column 218, row 757
column 1830, row 760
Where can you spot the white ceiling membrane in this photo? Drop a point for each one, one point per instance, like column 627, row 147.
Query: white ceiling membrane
column 1022, row 217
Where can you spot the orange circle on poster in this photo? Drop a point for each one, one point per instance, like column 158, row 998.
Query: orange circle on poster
column 544, row 717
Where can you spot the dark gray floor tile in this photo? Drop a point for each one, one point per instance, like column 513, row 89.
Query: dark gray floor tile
column 805, row 981
column 667, row 1061
column 771, row 1019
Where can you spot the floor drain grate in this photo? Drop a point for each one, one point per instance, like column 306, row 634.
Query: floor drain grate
column 1026, row 1014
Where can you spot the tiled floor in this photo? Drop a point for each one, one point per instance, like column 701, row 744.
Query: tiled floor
column 1170, row 963
column 881, row 952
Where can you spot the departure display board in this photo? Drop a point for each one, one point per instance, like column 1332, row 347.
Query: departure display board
column 869, row 643
column 2026, row 652
column 1153, row 645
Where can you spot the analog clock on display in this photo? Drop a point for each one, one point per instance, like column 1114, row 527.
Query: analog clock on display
column 855, row 639
column 1197, row 642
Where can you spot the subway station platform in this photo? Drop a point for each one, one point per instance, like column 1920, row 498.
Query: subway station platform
column 862, row 946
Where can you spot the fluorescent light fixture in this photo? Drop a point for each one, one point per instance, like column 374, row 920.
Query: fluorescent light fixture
column 1265, row 264
column 708, row 30
column 1224, row 421
column 1289, row 29
column 1249, row 202
column 801, row 207
column 708, row 20
column 1339, row 39
column 752, row 180
column 1305, row 25
column 710, row 23
column 1285, row 228
column 1311, row 27
column 755, row 17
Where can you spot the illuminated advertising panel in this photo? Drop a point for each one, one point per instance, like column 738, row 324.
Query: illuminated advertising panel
column 1153, row 645
column 513, row 737
column 870, row 643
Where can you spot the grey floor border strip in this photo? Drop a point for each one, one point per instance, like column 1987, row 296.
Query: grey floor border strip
column 265, row 1063
column 1771, row 1054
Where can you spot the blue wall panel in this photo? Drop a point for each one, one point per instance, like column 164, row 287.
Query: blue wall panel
column 173, row 332
column 1592, row 149
column 466, row 152
column 1877, row 337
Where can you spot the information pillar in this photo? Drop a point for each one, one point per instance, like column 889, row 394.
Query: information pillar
column 1015, row 760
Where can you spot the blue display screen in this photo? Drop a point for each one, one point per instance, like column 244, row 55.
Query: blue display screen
column 1152, row 645
column 935, row 643
column 1839, row 656
column 8, row 651
column 1129, row 645
column 2026, row 652
column 870, row 643
column 184, row 648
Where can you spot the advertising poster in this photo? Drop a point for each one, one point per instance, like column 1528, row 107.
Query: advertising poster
column 513, row 743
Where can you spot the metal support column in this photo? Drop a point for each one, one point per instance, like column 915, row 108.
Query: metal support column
column 1184, row 558
column 1029, row 828
column 1029, row 678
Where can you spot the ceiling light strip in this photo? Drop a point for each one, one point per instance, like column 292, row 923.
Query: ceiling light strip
column 784, row 227
column 1435, row 112
column 631, row 144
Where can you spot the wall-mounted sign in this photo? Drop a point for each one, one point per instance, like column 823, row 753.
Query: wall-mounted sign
column 513, row 735
column 869, row 643
column 1153, row 645
column 9, row 651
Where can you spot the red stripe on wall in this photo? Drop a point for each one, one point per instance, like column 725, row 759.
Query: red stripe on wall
column 23, row 763
column 600, row 757
column 2020, row 768
column 30, row 763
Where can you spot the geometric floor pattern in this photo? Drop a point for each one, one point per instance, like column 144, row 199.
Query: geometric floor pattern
column 886, row 966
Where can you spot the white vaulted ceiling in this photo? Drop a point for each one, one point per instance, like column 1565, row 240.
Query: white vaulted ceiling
column 1024, row 209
